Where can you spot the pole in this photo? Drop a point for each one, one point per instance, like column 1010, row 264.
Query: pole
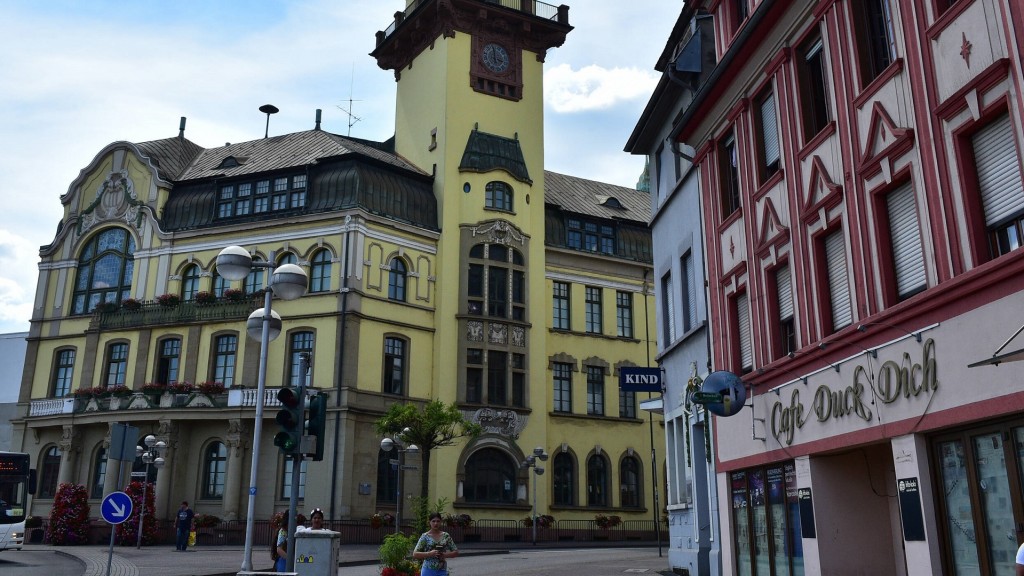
column 142, row 509
column 257, row 428
column 398, row 500
column 113, row 527
column 293, row 500
column 534, row 506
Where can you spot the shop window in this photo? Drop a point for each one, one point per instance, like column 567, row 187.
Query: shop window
column 490, row 478
column 105, row 269
column 766, row 521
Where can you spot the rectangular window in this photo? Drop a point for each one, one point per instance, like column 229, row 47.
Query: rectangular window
column 63, row 371
column 574, row 236
column 595, row 390
column 394, row 366
column 768, row 132
column 838, row 284
column 668, row 312
column 286, row 480
column 905, row 236
column 688, row 292
column 224, row 362
column 117, row 365
column 872, row 23
column 497, row 292
column 562, row 394
column 627, row 404
column 624, row 314
column 497, row 378
column 278, row 201
column 593, row 310
column 740, row 13
column 167, row 364
column 810, row 63
column 997, row 160
column 766, row 520
column 787, row 322
column 729, row 175
column 743, row 341
column 301, row 344
column 560, row 306
column 474, row 375
column 519, row 380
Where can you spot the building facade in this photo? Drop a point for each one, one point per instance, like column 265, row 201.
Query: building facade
column 860, row 179
column 445, row 263
column 679, row 280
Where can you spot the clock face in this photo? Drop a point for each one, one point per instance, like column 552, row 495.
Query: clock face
column 495, row 58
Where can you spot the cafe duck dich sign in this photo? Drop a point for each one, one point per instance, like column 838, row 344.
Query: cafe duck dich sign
column 892, row 382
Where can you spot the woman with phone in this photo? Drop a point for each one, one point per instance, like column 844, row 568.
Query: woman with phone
column 434, row 548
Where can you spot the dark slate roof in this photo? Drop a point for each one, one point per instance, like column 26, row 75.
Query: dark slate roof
column 597, row 199
column 343, row 173
column 171, row 155
column 283, row 152
column 485, row 152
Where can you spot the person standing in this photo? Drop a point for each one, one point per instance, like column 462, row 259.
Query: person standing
column 434, row 548
column 183, row 525
column 1020, row 561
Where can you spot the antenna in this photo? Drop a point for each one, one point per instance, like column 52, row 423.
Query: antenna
column 268, row 109
column 352, row 118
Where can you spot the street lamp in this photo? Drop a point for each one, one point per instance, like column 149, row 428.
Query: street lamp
column 288, row 282
column 153, row 454
column 531, row 462
column 387, row 444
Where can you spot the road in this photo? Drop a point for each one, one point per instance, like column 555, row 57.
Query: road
column 38, row 563
column 590, row 561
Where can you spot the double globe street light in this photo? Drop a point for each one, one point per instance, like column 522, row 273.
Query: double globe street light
column 287, row 282
column 387, row 445
column 152, row 454
column 531, row 462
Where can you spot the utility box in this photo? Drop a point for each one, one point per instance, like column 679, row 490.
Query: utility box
column 317, row 552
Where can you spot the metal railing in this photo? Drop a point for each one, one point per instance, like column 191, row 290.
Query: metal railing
column 536, row 8
column 156, row 314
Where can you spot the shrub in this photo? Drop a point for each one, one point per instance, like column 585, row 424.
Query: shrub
column 168, row 300
column 69, row 517
column 234, row 295
column 379, row 519
column 394, row 555
column 206, row 520
column 154, row 388
column 119, row 390
column 210, row 388
column 543, row 521
column 460, row 520
column 180, row 387
column 606, row 522
column 128, row 531
column 86, row 393
column 131, row 304
column 204, row 297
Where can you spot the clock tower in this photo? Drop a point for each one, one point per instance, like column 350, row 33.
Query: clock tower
column 470, row 112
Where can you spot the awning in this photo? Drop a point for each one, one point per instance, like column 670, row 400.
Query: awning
column 998, row 358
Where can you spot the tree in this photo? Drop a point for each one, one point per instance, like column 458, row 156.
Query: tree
column 435, row 425
column 128, row 531
column 69, row 516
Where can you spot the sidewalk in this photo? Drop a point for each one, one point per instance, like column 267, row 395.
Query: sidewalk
column 203, row 560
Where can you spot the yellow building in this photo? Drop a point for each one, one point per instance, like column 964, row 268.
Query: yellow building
column 445, row 263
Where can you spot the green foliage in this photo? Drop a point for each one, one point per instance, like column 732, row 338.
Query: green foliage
column 423, row 509
column 69, row 517
column 206, row 520
column 394, row 552
column 434, row 425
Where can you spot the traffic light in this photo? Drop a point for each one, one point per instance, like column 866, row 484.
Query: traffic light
column 316, row 424
column 289, row 417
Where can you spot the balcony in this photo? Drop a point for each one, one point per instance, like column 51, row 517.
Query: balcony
column 559, row 14
column 157, row 314
column 140, row 400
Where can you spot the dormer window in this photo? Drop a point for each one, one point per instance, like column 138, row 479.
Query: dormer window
column 232, row 162
column 590, row 236
column 279, row 194
column 610, row 202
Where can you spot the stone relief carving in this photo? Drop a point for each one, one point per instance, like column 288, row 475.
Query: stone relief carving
column 519, row 336
column 115, row 199
column 475, row 331
column 502, row 422
column 499, row 232
column 498, row 334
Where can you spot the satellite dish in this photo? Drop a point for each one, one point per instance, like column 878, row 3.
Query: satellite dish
column 732, row 390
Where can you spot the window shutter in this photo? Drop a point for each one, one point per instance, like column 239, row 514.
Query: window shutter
column 690, row 294
column 784, row 286
column 769, row 130
column 999, row 178
column 907, row 253
column 670, row 310
column 838, row 286
column 743, row 326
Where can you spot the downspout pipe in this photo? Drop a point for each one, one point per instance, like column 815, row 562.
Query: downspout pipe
column 341, row 364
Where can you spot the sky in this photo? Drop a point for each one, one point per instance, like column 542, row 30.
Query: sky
column 78, row 75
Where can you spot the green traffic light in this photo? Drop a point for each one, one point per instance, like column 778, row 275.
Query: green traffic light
column 286, row 442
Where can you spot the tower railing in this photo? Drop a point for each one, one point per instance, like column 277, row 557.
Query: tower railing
column 536, row 8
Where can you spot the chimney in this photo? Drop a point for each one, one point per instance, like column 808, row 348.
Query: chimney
column 181, row 129
column 318, row 111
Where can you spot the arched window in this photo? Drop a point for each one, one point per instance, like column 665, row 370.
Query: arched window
column 254, row 281
column 50, row 470
column 190, row 283
column 564, row 480
column 300, row 342
column 498, row 196
column 490, row 477
column 287, row 258
column 387, row 478
column 168, row 360
column 104, row 270
column 99, row 472
column 117, row 365
column 224, row 359
column 396, row 280
column 597, row 481
column 215, row 465
column 629, row 482
column 220, row 284
column 501, row 269
column 320, row 272
column 63, row 371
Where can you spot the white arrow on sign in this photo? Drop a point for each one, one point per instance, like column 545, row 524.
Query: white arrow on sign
column 118, row 509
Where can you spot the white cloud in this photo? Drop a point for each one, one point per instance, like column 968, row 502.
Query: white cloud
column 595, row 88
column 17, row 255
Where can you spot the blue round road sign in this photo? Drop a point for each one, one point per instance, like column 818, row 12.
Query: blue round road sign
column 730, row 387
column 116, row 507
